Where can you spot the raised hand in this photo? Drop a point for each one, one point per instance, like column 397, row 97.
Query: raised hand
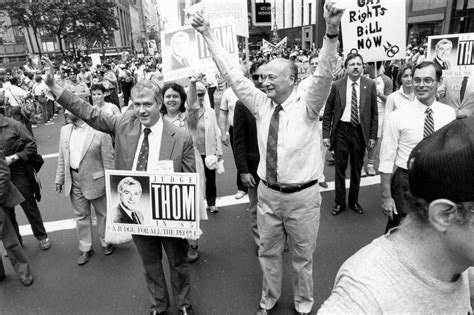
column 332, row 14
column 200, row 23
column 49, row 71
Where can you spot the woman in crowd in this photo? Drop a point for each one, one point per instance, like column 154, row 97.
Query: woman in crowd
column 98, row 99
column 174, row 111
column 403, row 96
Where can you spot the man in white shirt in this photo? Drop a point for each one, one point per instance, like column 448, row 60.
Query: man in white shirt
column 421, row 266
column 405, row 128
column 289, row 142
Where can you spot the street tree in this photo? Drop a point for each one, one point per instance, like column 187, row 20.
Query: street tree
column 97, row 24
column 29, row 15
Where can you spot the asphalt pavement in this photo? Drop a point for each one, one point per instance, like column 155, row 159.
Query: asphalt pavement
column 225, row 280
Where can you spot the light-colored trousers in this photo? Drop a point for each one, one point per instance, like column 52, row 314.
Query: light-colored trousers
column 253, row 199
column 294, row 216
column 82, row 212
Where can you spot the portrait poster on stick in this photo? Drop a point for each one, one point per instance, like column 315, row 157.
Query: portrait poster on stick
column 185, row 53
column 376, row 29
column 159, row 204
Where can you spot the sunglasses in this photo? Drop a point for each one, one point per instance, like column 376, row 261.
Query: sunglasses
column 200, row 94
column 255, row 77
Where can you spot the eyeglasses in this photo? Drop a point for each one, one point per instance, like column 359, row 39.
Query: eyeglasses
column 200, row 94
column 427, row 81
column 255, row 77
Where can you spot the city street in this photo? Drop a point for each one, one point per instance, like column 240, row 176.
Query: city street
column 225, row 280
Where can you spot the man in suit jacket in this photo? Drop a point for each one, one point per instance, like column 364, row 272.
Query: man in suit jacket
column 168, row 142
column 9, row 198
column 130, row 191
column 349, row 126
column 246, row 153
column 443, row 49
column 84, row 155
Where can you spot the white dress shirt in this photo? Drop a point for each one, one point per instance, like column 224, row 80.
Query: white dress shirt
column 346, row 115
column 154, row 144
column 298, row 148
column 404, row 130
column 76, row 144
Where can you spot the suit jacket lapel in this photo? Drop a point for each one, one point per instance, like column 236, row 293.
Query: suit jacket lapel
column 342, row 94
column 167, row 142
column 87, row 142
column 362, row 95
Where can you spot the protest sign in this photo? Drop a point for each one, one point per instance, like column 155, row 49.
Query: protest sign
column 376, row 29
column 453, row 52
column 146, row 203
column 185, row 53
column 304, row 70
column 95, row 57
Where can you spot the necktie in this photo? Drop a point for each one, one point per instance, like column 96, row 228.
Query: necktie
column 354, row 109
column 429, row 123
column 272, row 143
column 142, row 160
column 463, row 88
column 135, row 218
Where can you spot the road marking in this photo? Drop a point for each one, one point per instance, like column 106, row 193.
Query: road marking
column 224, row 201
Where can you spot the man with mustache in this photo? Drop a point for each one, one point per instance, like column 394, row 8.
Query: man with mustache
column 350, row 125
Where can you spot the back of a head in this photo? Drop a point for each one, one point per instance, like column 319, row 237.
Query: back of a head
column 441, row 166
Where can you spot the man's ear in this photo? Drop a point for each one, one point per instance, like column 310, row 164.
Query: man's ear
column 441, row 213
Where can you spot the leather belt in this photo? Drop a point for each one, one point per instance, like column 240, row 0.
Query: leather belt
column 291, row 189
column 401, row 169
column 74, row 169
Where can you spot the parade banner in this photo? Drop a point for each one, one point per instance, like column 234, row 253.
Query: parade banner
column 453, row 52
column 185, row 53
column 146, row 203
column 376, row 29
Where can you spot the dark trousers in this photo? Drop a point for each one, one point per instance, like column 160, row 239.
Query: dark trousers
column 349, row 144
column 126, row 89
column 211, row 190
column 30, row 207
column 150, row 249
column 240, row 185
column 211, row 90
column 12, row 246
column 399, row 186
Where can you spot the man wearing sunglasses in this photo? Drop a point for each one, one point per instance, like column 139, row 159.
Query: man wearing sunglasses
column 289, row 200
column 404, row 129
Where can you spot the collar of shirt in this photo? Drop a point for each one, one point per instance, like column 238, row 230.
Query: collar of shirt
column 403, row 94
column 154, row 141
column 349, row 82
column 290, row 100
column 81, row 126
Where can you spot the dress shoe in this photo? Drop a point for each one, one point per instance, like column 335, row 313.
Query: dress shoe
column 302, row 313
column 337, row 209
column 363, row 173
column 330, row 161
column 323, row 184
column 371, row 170
column 45, row 244
column 262, row 311
column 153, row 312
column 213, row 209
column 357, row 208
column 186, row 310
column 240, row 194
column 27, row 280
column 2, row 273
column 85, row 257
column 109, row 249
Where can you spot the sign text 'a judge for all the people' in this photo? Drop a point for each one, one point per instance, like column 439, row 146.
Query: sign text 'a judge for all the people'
column 374, row 28
column 153, row 204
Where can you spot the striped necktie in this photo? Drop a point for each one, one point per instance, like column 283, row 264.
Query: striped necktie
column 429, row 123
column 354, row 109
column 272, row 143
column 462, row 92
column 142, row 160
